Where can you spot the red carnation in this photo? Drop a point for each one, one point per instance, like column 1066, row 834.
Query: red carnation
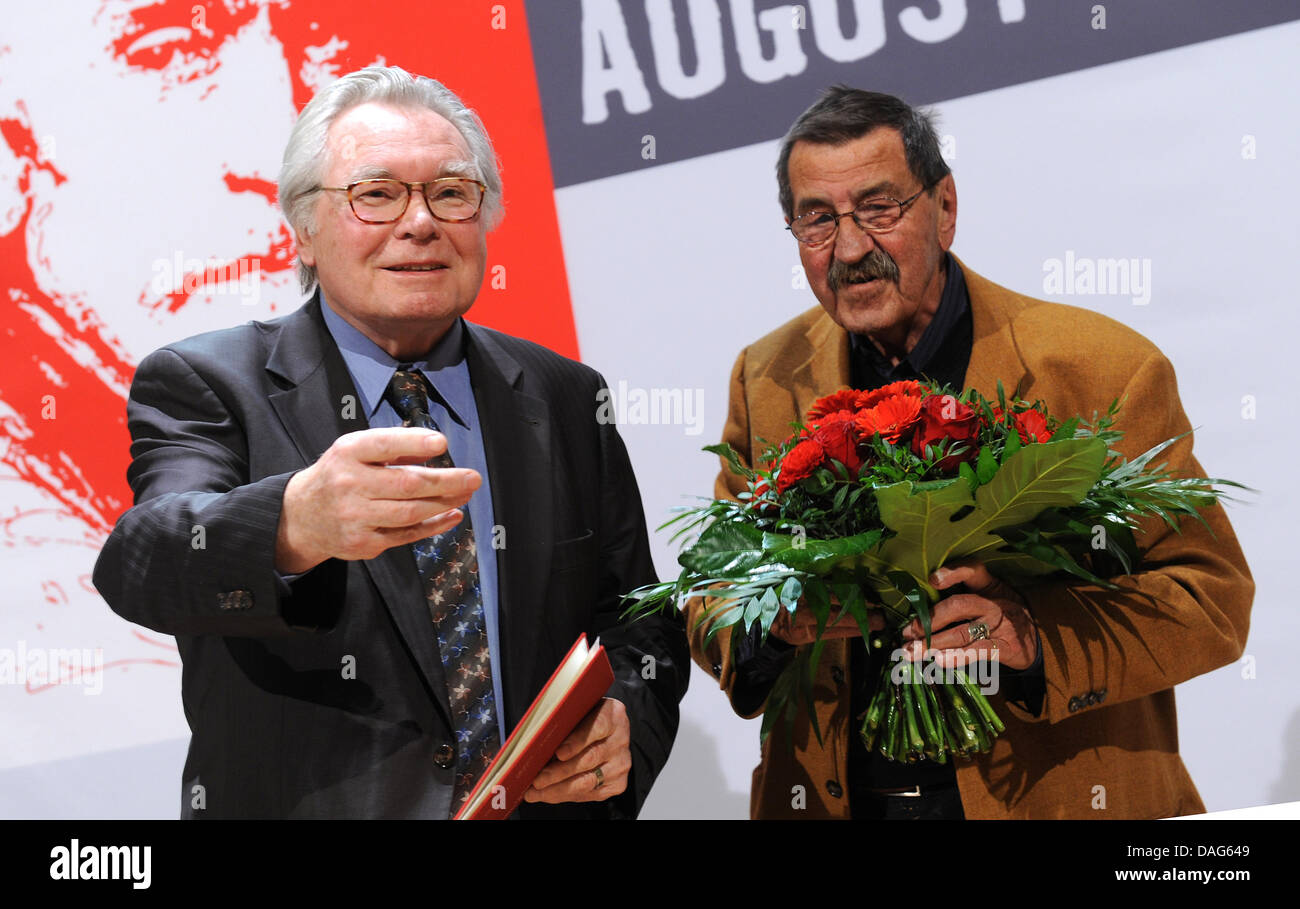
column 1032, row 426
column 815, row 422
column 892, row 417
column 799, row 463
column 844, row 399
column 944, row 417
column 839, row 438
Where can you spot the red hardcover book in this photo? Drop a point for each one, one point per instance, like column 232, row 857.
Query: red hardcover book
column 576, row 686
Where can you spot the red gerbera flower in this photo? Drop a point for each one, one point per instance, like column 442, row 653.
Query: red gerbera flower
column 844, row 399
column 909, row 387
column 892, row 417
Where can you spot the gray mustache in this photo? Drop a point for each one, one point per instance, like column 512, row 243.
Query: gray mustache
column 875, row 264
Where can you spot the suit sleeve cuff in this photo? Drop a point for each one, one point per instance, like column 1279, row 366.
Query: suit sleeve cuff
column 757, row 666
column 1027, row 687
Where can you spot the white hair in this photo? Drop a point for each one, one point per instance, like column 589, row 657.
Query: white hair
column 304, row 157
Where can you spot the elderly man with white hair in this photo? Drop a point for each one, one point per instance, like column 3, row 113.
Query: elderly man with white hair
column 359, row 640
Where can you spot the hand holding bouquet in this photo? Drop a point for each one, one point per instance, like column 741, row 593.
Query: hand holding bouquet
column 855, row 511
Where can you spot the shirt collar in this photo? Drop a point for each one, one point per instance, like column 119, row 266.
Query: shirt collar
column 372, row 368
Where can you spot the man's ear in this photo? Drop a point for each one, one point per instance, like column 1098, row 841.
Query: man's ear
column 306, row 252
column 946, row 211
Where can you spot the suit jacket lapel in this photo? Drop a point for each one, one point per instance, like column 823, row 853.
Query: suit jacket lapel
column 321, row 404
column 826, row 368
column 516, row 431
column 994, row 355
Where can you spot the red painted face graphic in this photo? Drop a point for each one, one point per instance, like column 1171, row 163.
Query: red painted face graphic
column 137, row 207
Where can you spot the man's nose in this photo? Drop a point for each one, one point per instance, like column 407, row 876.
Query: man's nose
column 851, row 241
column 418, row 220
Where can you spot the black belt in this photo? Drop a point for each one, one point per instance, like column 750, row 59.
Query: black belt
column 911, row 791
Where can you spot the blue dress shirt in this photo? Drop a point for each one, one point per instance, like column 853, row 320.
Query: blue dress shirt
column 453, row 409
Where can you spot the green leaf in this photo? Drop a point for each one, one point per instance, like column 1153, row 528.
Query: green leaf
column 916, row 598
column 837, row 503
column 1032, row 543
column 1067, row 429
column 811, row 656
column 816, row 595
column 791, row 590
column 1120, row 544
column 1012, row 445
column 1037, row 477
column 967, row 473
column 767, row 605
column 819, row 557
column 720, row 615
column 985, row 466
column 728, row 454
column 781, row 703
column 821, row 611
column 858, row 609
column 726, row 548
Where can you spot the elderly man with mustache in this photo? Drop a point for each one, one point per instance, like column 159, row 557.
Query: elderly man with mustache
column 1086, row 675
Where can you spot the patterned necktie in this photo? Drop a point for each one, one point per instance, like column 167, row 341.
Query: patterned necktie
column 448, row 565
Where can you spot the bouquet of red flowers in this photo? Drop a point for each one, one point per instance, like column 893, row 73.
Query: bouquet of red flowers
column 872, row 493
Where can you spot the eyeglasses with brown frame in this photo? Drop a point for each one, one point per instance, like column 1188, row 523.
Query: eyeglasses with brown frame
column 383, row 201
column 878, row 215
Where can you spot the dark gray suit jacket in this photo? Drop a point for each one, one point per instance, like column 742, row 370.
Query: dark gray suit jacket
column 328, row 700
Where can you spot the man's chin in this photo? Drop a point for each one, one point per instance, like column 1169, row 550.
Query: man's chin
column 433, row 306
column 863, row 308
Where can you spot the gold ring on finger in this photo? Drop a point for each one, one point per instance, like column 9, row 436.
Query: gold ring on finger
column 600, row 777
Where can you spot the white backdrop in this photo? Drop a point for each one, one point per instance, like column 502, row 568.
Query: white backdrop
column 1181, row 158
column 1141, row 159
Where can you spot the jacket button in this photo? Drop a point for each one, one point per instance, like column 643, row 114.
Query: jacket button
column 717, row 670
column 444, row 757
column 834, row 788
column 1093, row 698
column 1101, row 695
column 1075, row 705
column 235, row 600
column 838, row 675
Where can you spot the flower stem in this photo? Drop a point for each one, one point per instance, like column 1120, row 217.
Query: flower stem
column 982, row 705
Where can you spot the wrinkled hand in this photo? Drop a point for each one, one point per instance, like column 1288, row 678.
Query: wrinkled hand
column 1012, row 637
column 801, row 628
column 603, row 739
column 367, row 493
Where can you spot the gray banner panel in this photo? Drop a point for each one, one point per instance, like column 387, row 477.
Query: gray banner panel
column 630, row 84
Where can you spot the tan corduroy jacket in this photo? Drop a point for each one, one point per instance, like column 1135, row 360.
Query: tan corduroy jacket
column 1106, row 742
